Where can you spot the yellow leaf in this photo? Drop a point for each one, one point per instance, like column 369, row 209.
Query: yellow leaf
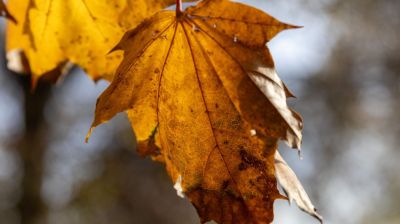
column 4, row 12
column 203, row 97
column 53, row 32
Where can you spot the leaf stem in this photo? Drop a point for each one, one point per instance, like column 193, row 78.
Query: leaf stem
column 178, row 7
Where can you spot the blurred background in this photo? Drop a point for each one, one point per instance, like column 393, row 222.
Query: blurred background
column 344, row 66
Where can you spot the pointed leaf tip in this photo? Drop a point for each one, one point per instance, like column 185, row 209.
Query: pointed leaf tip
column 4, row 12
column 293, row 188
column 89, row 134
column 289, row 26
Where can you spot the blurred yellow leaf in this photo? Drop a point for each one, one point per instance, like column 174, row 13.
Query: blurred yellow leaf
column 4, row 12
column 53, row 32
column 203, row 97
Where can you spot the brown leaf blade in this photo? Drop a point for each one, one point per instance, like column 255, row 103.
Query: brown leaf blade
column 194, row 99
column 251, row 27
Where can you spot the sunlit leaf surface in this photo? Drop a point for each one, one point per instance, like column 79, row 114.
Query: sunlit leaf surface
column 203, row 97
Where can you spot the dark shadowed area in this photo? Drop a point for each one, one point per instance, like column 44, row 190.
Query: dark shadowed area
column 344, row 67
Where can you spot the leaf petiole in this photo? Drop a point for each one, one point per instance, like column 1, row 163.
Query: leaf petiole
column 178, row 7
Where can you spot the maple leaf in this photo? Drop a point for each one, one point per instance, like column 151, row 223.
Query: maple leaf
column 204, row 98
column 4, row 12
column 53, row 32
